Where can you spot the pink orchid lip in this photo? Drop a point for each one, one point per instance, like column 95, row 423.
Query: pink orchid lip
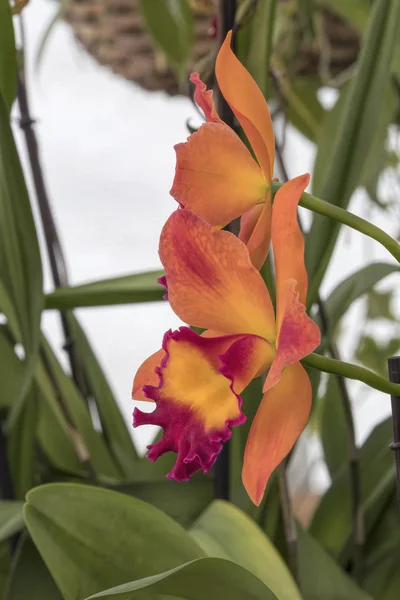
column 163, row 281
column 184, row 432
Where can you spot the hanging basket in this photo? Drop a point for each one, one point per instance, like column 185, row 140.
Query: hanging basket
column 114, row 33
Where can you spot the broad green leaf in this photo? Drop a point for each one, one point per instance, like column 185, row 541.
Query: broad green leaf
column 56, row 429
column 115, row 430
column 333, row 428
column 355, row 133
column 353, row 287
column 356, row 12
column 5, row 567
column 8, row 55
column 30, row 577
column 382, row 554
column 21, row 445
column 260, row 43
column 141, row 287
column 171, row 25
column 379, row 157
column 320, row 576
column 383, row 581
column 373, row 355
column 332, row 521
column 223, row 531
column 202, row 579
column 101, row 459
column 20, row 264
column 303, row 108
column 92, row 539
column 11, row 519
column 379, row 305
column 10, row 364
column 183, row 501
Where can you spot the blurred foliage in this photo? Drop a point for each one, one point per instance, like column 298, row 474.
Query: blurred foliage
column 102, row 516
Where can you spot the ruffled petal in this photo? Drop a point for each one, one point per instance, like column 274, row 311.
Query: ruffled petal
column 288, row 240
column 298, row 335
column 280, row 419
column 249, row 105
column 211, row 281
column 147, row 375
column 216, row 177
column 196, row 397
column 204, row 99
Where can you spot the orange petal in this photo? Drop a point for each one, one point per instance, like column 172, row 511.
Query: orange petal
column 216, row 176
column 288, row 240
column 211, row 281
column 280, row 419
column 204, row 99
column 255, row 225
column 298, row 335
column 248, row 103
column 196, row 396
column 146, row 375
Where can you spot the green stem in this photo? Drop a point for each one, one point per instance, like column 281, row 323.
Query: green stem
column 347, row 218
column 339, row 367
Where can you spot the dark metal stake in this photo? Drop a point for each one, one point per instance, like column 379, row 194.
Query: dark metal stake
column 394, row 376
column 227, row 11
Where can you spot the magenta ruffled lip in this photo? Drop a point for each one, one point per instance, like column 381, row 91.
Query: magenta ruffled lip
column 163, row 281
column 184, row 432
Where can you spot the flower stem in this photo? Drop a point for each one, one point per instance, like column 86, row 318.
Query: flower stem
column 339, row 367
column 347, row 218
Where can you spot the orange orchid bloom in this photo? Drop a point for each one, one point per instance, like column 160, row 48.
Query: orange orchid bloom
column 216, row 176
column 195, row 380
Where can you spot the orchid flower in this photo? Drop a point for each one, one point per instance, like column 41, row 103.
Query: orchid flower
column 216, row 176
column 196, row 380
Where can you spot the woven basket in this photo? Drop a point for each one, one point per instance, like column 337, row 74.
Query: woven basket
column 113, row 32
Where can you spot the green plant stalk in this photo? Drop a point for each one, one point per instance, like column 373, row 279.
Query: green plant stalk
column 339, row 367
column 347, row 218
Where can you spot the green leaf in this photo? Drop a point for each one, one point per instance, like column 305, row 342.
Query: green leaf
column 141, row 287
column 92, row 539
column 353, row 287
column 374, row 355
column 11, row 519
column 100, row 456
column 114, row 427
column 8, row 55
column 171, row 25
column 355, row 133
column 11, row 365
column 320, row 576
column 260, row 43
column 5, row 567
column 223, row 531
column 355, row 12
column 333, row 427
column 21, row 445
column 20, row 264
column 332, row 521
column 182, row 501
column 379, row 305
column 203, row 579
column 30, row 577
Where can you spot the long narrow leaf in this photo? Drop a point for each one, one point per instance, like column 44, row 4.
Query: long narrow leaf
column 355, row 133
column 8, row 55
column 141, row 287
column 20, row 264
